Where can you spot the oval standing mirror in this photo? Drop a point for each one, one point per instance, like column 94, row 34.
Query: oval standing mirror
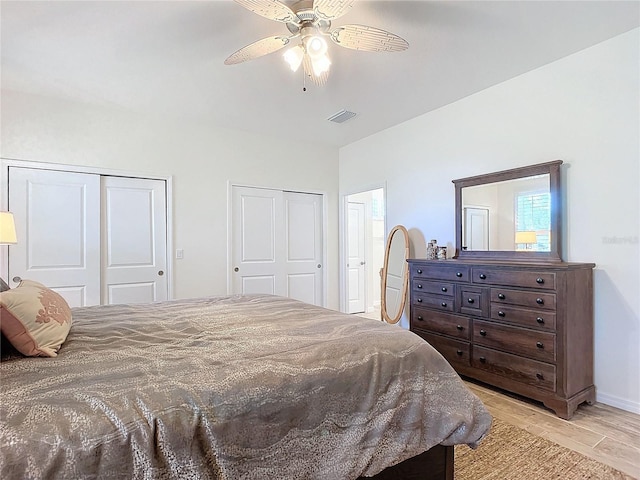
column 394, row 275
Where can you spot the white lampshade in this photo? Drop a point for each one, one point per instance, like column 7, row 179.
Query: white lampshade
column 293, row 57
column 7, row 229
column 320, row 64
column 316, row 46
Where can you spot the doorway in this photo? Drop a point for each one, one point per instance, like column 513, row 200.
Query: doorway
column 364, row 251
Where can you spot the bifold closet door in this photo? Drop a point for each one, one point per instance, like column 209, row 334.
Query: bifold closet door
column 94, row 239
column 58, row 227
column 277, row 243
column 134, row 240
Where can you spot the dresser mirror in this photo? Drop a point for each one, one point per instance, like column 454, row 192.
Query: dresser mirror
column 513, row 214
column 395, row 272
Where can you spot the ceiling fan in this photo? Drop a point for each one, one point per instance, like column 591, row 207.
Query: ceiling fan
column 310, row 21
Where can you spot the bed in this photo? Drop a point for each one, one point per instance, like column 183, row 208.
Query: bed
column 233, row 387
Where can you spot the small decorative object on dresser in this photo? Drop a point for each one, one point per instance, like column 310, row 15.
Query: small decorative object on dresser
column 520, row 319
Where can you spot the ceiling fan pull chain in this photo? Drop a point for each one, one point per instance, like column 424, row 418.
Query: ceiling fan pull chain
column 304, row 80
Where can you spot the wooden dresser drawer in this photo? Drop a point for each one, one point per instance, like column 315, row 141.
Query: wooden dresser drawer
column 524, row 317
column 473, row 300
column 517, row 368
column 440, row 322
column 438, row 302
column 523, row 298
column 523, row 341
column 440, row 271
column 441, row 288
column 514, row 278
column 456, row 352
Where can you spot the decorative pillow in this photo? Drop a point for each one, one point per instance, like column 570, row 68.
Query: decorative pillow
column 35, row 319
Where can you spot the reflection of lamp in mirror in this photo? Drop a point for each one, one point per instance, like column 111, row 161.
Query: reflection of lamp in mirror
column 7, row 237
column 528, row 239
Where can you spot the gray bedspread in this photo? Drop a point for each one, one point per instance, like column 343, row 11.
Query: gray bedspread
column 238, row 387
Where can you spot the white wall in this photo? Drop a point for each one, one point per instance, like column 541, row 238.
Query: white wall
column 583, row 109
column 201, row 158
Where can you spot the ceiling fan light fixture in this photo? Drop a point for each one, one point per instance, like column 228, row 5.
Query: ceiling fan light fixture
column 316, row 46
column 294, row 56
column 320, row 64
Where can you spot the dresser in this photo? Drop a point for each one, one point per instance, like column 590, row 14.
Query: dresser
column 523, row 327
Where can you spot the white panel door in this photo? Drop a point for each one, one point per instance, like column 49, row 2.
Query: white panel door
column 57, row 217
column 476, row 224
column 257, row 241
column 303, row 249
column 276, row 243
column 356, row 255
column 134, row 240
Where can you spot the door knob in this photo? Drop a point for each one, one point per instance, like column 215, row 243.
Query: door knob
column 361, row 263
column 160, row 272
column 16, row 279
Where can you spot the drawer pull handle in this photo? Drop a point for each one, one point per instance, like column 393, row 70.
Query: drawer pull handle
column 419, row 300
column 458, row 274
column 540, row 320
column 539, row 344
column 444, row 289
column 444, row 304
column 540, row 280
column 502, row 314
column 539, row 301
column 470, row 300
column 460, row 327
column 419, row 285
column 459, row 353
column 539, row 376
column 483, row 360
column 419, row 271
column 501, row 296
column 483, row 333
column 420, row 318
column 483, row 276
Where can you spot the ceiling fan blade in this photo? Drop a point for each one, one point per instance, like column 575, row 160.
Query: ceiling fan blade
column 257, row 49
column 319, row 80
column 368, row 39
column 271, row 9
column 330, row 9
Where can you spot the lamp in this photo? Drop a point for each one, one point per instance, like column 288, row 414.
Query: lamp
column 314, row 46
column 7, row 237
column 294, row 56
column 526, row 238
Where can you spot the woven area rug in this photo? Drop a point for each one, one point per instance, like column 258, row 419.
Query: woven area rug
column 512, row 453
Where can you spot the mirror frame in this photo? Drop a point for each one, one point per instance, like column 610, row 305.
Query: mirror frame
column 398, row 229
column 555, row 191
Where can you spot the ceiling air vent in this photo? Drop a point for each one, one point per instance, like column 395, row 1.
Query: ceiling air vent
column 342, row 116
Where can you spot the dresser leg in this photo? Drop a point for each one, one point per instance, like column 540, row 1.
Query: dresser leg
column 566, row 407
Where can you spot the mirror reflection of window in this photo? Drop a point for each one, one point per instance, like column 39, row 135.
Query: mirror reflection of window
column 510, row 207
column 533, row 221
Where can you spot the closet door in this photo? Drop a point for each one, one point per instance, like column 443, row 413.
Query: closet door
column 277, row 243
column 134, row 246
column 257, row 244
column 58, row 227
column 303, row 246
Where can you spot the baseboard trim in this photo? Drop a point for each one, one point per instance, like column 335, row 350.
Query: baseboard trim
column 621, row 403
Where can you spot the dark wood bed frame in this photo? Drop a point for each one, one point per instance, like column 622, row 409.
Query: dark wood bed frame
column 434, row 464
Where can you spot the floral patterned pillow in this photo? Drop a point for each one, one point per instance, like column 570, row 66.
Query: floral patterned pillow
column 35, row 319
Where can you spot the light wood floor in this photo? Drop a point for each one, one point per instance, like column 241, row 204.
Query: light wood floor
column 606, row 434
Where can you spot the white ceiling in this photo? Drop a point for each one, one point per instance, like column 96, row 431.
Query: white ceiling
column 166, row 58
